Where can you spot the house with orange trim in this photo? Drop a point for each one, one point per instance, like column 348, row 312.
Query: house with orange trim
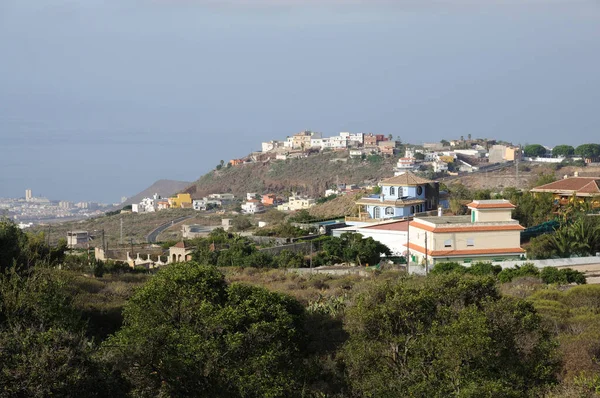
column 488, row 234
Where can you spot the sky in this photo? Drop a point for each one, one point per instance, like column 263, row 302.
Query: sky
column 99, row 99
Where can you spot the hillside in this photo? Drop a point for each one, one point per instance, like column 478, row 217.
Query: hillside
column 309, row 176
column 340, row 206
column 162, row 187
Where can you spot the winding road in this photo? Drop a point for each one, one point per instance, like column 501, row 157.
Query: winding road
column 151, row 237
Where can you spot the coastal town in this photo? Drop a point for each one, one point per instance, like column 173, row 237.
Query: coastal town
column 412, row 211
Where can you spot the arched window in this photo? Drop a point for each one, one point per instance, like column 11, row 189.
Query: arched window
column 389, row 211
column 412, row 209
column 392, row 192
column 419, row 190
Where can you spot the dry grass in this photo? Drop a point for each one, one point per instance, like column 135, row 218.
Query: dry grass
column 135, row 226
column 304, row 287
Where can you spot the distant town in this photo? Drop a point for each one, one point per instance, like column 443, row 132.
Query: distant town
column 30, row 209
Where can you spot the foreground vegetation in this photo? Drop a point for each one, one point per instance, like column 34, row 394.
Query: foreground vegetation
column 197, row 330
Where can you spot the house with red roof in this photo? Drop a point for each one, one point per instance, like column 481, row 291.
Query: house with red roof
column 570, row 189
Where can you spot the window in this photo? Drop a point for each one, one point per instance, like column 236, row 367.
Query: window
column 376, row 212
column 392, row 192
column 389, row 211
column 419, row 190
column 412, row 209
column 448, row 243
column 470, row 242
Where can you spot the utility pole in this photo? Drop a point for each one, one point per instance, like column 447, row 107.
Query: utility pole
column 517, row 164
column 408, row 246
column 121, row 230
column 426, row 266
column 311, row 254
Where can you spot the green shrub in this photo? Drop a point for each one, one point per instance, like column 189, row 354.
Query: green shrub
column 562, row 276
column 509, row 274
column 444, row 268
column 482, row 269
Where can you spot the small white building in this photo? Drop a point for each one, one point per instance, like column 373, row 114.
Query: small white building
column 147, row 205
column 356, row 153
column 253, row 206
column 439, row 166
column 405, row 164
column 77, row 238
column 272, row 145
column 352, row 138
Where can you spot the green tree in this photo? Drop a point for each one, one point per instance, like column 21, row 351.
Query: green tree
column 541, row 247
column 444, row 336
column 43, row 350
column 588, row 151
column 562, row 151
column 445, row 143
column 534, row 150
column 419, row 156
column 188, row 333
column 12, row 241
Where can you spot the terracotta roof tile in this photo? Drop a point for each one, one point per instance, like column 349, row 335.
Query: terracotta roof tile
column 570, row 185
column 491, row 204
column 405, row 179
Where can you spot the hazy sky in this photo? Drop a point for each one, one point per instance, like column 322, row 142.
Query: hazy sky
column 99, row 99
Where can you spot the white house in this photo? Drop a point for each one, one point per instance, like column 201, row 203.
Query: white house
column 356, row 153
column 405, row 164
column 316, row 143
column 147, row 205
column 271, row 145
column 253, row 206
column 393, row 234
column 439, row 166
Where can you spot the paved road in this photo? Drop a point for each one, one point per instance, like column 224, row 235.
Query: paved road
column 151, row 237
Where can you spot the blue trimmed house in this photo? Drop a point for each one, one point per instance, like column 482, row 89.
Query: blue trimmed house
column 403, row 195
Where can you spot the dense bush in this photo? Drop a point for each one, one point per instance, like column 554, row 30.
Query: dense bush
column 188, row 333
column 446, row 335
column 508, row 274
column 562, row 276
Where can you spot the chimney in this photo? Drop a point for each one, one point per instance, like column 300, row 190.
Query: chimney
column 381, row 197
column 440, row 211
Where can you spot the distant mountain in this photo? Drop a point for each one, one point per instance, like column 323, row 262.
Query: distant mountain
column 164, row 188
column 310, row 176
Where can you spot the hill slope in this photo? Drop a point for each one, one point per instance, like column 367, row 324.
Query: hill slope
column 309, row 176
column 162, row 187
